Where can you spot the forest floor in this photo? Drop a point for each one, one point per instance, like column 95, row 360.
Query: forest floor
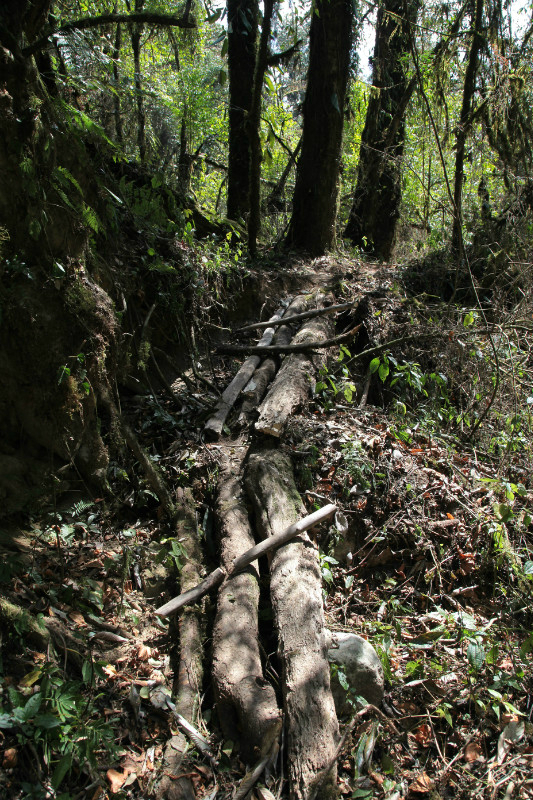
column 434, row 570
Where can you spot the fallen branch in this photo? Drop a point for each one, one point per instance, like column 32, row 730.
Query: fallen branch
column 216, row 577
column 315, row 312
column 304, row 347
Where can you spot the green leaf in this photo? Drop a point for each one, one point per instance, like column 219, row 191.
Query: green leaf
column 270, row 84
column 32, row 706
column 374, row 365
column 65, row 763
column 468, row 320
column 335, row 102
column 475, row 655
column 528, row 569
column 348, row 581
column 47, row 721
column 6, row 721
column 383, row 371
column 343, row 680
column 224, row 47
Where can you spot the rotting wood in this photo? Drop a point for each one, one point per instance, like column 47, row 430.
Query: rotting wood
column 189, row 677
column 216, row 577
column 246, row 703
column 304, row 347
column 297, row 317
column 292, row 385
column 296, row 594
column 215, row 423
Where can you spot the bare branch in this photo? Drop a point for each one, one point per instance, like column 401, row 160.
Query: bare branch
column 84, row 23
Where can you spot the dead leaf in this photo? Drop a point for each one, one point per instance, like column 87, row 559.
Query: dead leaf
column 424, row 735
column 511, row 734
column 144, row 652
column 78, row 618
column 116, row 780
column 10, row 758
column 422, row 785
column 473, row 752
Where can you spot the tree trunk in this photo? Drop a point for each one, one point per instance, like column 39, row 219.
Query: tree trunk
column 312, row 227
column 463, row 127
column 119, row 130
column 136, row 33
column 376, row 204
column 242, row 37
column 185, row 161
column 254, row 127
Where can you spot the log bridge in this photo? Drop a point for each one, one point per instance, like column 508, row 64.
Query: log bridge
column 260, row 513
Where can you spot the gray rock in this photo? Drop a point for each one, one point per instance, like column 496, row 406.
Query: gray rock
column 361, row 665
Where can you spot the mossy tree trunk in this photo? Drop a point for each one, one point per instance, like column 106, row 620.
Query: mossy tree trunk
column 312, row 227
column 376, row 204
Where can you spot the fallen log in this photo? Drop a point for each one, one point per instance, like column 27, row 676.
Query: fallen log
column 296, row 593
column 297, row 317
column 189, row 677
column 215, row 423
column 257, row 386
column 246, row 703
column 292, row 385
column 216, row 577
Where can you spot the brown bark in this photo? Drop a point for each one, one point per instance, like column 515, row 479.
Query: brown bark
column 246, row 702
column 240, row 563
column 292, row 386
column 297, row 603
column 312, row 227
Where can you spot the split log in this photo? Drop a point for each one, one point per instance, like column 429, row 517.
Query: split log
column 246, row 702
column 189, row 678
column 297, row 317
column 296, row 594
column 292, row 385
column 263, row 375
column 215, row 423
column 217, row 576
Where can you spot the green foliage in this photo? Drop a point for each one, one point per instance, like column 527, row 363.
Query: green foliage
column 61, row 723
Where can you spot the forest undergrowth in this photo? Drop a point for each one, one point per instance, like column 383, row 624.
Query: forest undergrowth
column 425, row 445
